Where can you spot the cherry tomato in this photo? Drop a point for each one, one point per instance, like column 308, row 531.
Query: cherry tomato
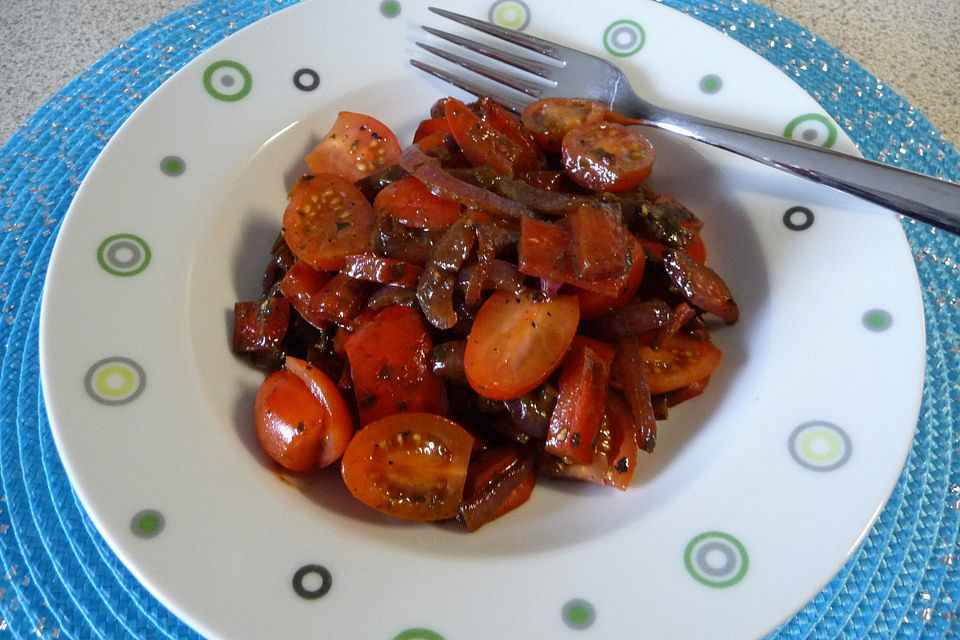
column 697, row 250
column 412, row 204
column 481, row 143
column 260, row 325
column 578, row 414
column 430, row 127
column 615, row 456
column 301, row 419
column 679, row 362
column 530, row 158
column 551, row 118
column 355, row 146
column 326, row 220
column 606, row 156
column 409, row 465
column 517, row 340
column 390, row 363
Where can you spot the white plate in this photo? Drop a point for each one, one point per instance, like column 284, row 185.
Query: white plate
column 756, row 495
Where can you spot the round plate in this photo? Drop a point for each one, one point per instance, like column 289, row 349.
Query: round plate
column 757, row 493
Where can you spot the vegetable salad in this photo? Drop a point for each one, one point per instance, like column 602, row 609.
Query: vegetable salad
column 499, row 302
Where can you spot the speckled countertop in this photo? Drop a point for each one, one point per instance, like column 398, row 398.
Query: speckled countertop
column 909, row 44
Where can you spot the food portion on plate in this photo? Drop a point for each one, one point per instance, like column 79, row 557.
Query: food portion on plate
column 501, row 301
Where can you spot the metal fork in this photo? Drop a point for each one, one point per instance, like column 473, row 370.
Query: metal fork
column 564, row 72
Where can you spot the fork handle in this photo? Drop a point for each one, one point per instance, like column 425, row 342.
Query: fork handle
column 930, row 200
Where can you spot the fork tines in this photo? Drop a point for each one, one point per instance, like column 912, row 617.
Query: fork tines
column 532, row 89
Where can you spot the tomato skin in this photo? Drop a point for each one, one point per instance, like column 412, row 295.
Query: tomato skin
column 260, row 325
column 579, row 411
column 326, row 220
column 529, row 157
column 481, row 143
column 354, row 147
column 295, row 427
column 517, row 340
column 338, row 428
column 390, row 364
column 409, row 465
column 607, row 156
column 679, row 362
column 550, row 119
column 615, row 456
column 413, row 205
column 429, row 127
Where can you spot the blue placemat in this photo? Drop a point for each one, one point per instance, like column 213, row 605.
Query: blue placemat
column 59, row 578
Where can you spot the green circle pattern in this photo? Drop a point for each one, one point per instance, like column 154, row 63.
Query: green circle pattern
column 147, row 523
column 390, row 8
column 579, row 614
column 796, row 126
column 707, row 576
column 220, row 78
column 613, row 38
column 173, row 166
column 711, row 83
column 134, row 259
column 877, row 320
column 418, row 634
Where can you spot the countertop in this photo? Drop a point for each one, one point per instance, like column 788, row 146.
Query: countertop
column 910, row 45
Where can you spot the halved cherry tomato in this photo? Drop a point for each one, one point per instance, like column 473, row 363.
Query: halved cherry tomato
column 679, row 362
column 301, row 418
column 389, row 359
column 321, row 299
column 606, row 156
column 429, row 127
column 578, row 414
column 327, row 219
column 260, row 324
column 530, row 157
column 550, row 119
column 355, row 146
column 409, row 465
column 412, row 204
column 301, row 286
column 339, row 427
column 517, row 340
column 481, row 143
column 615, row 456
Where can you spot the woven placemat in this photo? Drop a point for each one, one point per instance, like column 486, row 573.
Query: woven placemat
column 61, row 580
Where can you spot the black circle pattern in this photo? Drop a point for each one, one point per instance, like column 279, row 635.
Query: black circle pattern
column 798, row 218
column 312, row 569
column 306, row 79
